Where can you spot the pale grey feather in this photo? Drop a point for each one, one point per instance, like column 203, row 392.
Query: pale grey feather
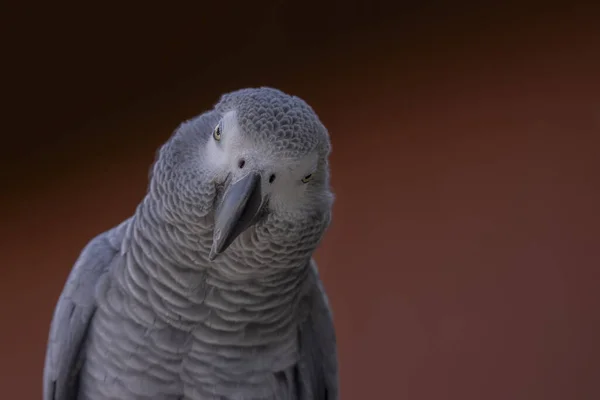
column 166, row 322
column 318, row 364
column 73, row 314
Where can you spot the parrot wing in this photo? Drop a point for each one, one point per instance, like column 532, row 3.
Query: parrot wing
column 73, row 314
column 317, row 370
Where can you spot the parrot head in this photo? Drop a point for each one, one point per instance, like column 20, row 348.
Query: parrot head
column 258, row 160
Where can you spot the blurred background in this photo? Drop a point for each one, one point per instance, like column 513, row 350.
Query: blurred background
column 463, row 260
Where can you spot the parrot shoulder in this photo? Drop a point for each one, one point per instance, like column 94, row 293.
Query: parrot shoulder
column 73, row 314
column 317, row 370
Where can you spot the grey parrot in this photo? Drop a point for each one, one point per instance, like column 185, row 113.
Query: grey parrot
column 209, row 290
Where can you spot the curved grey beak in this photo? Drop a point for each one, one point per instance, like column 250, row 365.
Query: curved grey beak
column 238, row 210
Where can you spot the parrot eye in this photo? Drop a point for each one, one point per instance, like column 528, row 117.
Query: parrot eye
column 307, row 178
column 217, row 132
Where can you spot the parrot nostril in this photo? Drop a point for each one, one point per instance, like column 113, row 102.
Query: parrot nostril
column 241, row 163
column 272, row 178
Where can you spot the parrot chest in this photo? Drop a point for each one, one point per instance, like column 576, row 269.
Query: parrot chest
column 135, row 353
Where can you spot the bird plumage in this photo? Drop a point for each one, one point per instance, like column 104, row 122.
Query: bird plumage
column 146, row 314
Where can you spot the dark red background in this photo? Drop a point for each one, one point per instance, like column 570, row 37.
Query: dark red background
column 464, row 255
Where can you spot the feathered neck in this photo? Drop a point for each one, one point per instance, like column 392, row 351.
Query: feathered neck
column 272, row 248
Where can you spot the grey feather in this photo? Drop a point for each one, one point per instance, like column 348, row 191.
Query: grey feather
column 148, row 312
column 73, row 314
column 318, row 365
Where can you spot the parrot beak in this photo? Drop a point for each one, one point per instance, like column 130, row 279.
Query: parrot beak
column 238, row 210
